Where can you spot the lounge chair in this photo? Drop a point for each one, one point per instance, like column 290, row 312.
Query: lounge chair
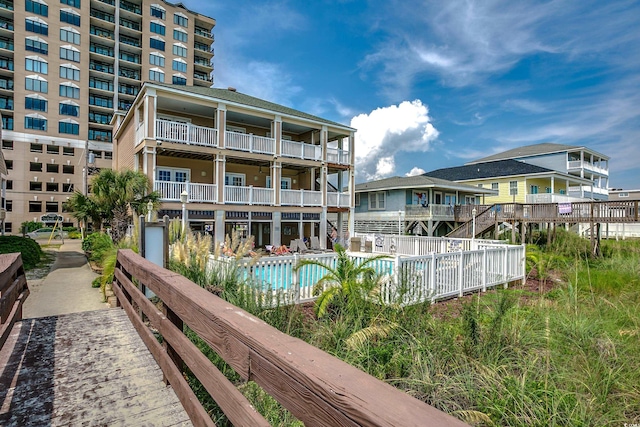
column 293, row 246
column 315, row 243
column 302, row 246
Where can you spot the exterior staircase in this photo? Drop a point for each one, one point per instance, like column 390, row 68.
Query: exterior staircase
column 484, row 220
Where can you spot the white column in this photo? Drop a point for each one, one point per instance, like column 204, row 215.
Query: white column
column 219, row 233
column 276, row 229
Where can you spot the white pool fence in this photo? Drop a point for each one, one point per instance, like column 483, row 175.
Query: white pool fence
column 406, row 280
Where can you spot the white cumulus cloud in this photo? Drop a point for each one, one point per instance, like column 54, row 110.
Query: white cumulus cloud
column 415, row 171
column 388, row 131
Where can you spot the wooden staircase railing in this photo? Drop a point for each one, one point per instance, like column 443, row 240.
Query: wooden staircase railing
column 13, row 292
column 314, row 386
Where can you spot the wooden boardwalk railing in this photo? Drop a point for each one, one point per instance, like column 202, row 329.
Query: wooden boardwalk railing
column 13, row 292
column 314, row 386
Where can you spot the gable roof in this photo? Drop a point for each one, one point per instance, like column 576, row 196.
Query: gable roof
column 527, row 150
column 248, row 100
column 500, row 168
column 417, row 182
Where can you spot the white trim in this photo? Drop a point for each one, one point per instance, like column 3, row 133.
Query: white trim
column 37, row 39
column 180, row 75
column 41, row 2
column 36, row 58
column 182, row 30
column 172, row 172
column 68, row 46
column 69, row 102
column 156, row 69
column 36, row 19
column 36, row 77
column 170, row 118
column 157, row 54
column 36, row 96
column 69, row 84
column 73, row 67
column 69, row 121
column 180, row 45
column 36, row 116
column 180, row 60
column 158, row 38
column 157, row 6
column 242, row 176
column 69, row 10
column 71, row 29
column 181, row 14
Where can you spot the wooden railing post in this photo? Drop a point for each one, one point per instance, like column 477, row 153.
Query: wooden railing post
column 173, row 355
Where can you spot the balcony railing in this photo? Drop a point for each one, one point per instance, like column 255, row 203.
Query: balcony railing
column 429, row 211
column 248, row 195
column 249, row 142
column 338, row 200
column 577, row 164
column 300, row 150
column 300, row 198
column 201, row 193
column 552, row 198
column 589, row 189
column 186, row 133
column 336, row 155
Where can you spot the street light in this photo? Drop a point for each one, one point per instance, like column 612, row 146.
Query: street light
column 184, row 196
column 149, row 211
column 473, row 223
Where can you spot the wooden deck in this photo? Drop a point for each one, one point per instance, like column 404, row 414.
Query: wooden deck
column 87, row 368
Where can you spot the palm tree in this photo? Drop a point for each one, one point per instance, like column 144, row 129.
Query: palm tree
column 85, row 210
column 117, row 196
column 347, row 284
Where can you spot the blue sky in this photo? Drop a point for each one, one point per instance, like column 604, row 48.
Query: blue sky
column 431, row 84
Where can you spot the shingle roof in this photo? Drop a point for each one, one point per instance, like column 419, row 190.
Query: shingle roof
column 487, row 170
column 419, row 181
column 241, row 98
column 527, row 150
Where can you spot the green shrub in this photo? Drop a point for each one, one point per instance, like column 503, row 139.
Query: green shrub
column 29, row 226
column 29, row 249
column 70, row 229
column 75, row 235
column 97, row 245
column 97, row 282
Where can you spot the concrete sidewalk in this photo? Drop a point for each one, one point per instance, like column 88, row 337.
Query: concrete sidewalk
column 67, row 287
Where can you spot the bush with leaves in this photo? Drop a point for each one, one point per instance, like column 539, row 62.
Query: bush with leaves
column 29, row 226
column 29, row 249
column 96, row 245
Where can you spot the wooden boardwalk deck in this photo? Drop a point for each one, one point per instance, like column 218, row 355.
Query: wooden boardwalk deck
column 88, row 369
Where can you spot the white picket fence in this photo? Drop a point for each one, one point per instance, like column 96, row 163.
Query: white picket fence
column 406, row 280
column 422, row 245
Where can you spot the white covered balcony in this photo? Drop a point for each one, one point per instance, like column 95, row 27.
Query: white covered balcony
column 552, row 198
column 577, row 165
column 419, row 212
column 190, row 134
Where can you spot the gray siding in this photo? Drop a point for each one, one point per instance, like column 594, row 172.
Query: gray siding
column 554, row 161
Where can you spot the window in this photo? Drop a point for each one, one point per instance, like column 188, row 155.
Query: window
column 68, row 151
column 157, row 27
column 36, row 123
column 156, row 43
column 53, row 168
column 69, row 90
column 69, row 53
column 53, row 149
column 180, row 65
column 74, row 3
column 513, row 188
column 9, row 184
column 35, row 167
column 357, row 197
column 68, row 108
column 7, row 123
column 68, row 169
column 180, row 35
column 562, row 191
column 36, row 44
column 234, row 179
column 180, row 19
column 35, row 148
column 547, row 190
column 37, row 25
column 69, row 127
column 377, row 201
column 9, row 205
column 156, row 59
column 494, row 186
column 36, row 64
column 179, row 50
column 179, row 80
column 102, row 118
column 158, row 11
column 7, row 145
column 8, row 164
column 70, row 17
column 8, row 227
column 36, row 102
column 36, row 84
column 38, row 7
column 51, row 206
column 157, row 75
column 35, row 186
column 285, row 183
column 100, row 135
column 623, row 194
column 69, row 72
column 35, row 206
column 173, row 174
column 532, row 190
column 67, row 188
column 69, row 35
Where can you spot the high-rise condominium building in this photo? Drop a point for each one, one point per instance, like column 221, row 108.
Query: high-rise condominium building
column 65, row 67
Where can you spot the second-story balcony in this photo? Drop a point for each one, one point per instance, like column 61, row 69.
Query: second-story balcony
column 431, row 211
column 250, row 143
column 246, row 195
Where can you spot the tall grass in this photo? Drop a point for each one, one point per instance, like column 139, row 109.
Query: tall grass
column 567, row 355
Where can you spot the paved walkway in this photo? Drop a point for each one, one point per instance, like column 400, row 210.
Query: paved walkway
column 67, row 287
